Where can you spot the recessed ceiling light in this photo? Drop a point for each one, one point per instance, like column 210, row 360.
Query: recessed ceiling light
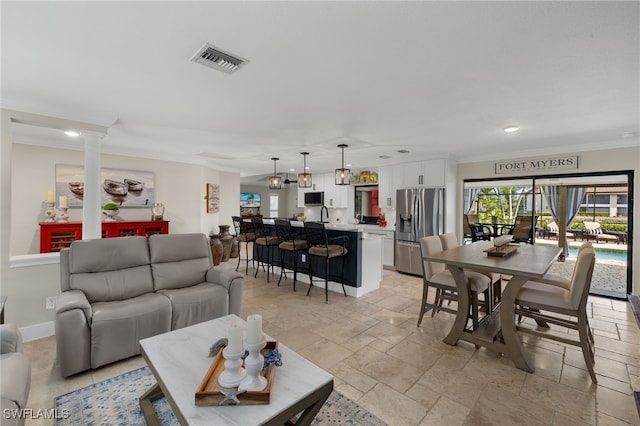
column 72, row 133
column 292, row 170
column 511, row 129
column 403, row 151
column 384, row 157
column 348, row 164
column 629, row 135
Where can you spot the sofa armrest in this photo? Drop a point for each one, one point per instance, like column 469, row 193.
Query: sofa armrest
column 11, row 339
column 73, row 299
column 233, row 282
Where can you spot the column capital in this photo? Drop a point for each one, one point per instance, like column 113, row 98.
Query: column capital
column 90, row 136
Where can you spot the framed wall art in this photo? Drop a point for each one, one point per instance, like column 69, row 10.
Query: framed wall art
column 213, row 198
column 126, row 188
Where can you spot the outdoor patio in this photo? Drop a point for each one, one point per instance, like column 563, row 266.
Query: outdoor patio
column 609, row 275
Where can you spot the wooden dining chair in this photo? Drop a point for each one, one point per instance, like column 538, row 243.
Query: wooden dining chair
column 493, row 295
column 552, row 303
column 436, row 275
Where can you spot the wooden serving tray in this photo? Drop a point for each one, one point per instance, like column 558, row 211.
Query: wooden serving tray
column 503, row 251
column 208, row 392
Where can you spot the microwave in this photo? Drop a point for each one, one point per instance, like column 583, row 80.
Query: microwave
column 314, row 198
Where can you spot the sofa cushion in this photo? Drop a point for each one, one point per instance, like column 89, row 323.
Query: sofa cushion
column 15, row 370
column 113, row 285
column 197, row 304
column 179, row 260
column 108, row 254
column 117, row 327
column 111, row 268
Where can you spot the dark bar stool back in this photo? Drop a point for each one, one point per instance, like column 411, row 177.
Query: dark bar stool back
column 264, row 239
column 244, row 234
column 288, row 244
column 318, row 245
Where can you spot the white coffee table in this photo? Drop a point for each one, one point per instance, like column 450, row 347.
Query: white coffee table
column 179, row 361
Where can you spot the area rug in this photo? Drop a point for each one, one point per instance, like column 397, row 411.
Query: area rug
column 115, row 402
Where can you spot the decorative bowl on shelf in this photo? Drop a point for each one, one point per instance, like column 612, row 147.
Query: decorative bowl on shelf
column 111, row 214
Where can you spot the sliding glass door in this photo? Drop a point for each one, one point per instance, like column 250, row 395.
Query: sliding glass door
column 565, row 211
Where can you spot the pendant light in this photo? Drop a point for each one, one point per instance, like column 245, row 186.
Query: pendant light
column 304, row 178
column 343, row 176
column 275, row 181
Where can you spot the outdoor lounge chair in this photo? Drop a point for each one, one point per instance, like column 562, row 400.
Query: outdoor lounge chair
column 552, row 231
column 593, row 231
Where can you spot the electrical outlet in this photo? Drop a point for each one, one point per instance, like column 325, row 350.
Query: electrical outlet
column 304, row 257
column 51, row 303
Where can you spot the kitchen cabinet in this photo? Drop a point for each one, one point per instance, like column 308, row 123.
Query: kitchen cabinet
column 335, row 196
column 389, row 179
column 56, row 236
column 428, row 173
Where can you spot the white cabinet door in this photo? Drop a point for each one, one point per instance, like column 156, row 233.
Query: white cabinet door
column 390, row 178
column 411, row 175
column 433, row 173
column 335, row 196
column 423, row 173
column 387, row 250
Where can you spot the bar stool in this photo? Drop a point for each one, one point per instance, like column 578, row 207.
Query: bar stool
column 244, row 234
column 264, row 239
column 318, row 245
column 288, row 243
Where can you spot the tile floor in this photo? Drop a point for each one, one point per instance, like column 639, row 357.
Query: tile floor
column 406, row 375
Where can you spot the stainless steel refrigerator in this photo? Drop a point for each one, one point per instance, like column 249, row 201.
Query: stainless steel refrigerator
column 419, row 213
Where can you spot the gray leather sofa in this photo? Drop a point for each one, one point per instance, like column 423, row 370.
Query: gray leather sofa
column 15, row 370
column 117, row 291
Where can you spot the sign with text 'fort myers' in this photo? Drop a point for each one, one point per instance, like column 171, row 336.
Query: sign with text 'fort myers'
column 558, row 162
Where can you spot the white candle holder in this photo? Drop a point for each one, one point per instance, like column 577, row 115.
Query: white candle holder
column 253, row 364
column 63, row 215
column 50, row 212
column 233, row 372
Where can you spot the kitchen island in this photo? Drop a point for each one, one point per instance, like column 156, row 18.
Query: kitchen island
column 362, row 267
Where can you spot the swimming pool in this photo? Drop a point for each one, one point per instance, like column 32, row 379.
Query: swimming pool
column 603, row 254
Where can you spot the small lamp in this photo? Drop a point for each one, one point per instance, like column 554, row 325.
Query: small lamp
column 275, row 181
column 304, row 178
column 343, row 176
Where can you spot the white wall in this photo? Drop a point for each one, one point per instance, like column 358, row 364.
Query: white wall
column 610, row 160
column 27, row 172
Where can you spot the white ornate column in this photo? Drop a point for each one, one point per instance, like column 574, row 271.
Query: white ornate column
column 92, row 210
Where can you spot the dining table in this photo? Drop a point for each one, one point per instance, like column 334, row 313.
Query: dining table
column 496, row 331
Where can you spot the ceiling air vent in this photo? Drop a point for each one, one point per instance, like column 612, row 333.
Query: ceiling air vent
column 217, row 58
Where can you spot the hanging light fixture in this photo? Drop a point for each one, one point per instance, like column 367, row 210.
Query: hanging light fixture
column 275, row 181
column 343, row 176
column 304, row 178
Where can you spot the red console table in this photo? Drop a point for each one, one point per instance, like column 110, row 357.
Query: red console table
column 56, row 236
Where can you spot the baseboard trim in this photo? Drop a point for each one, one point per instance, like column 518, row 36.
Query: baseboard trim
column 38, row 331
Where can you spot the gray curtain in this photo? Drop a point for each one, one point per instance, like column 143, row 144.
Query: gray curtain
column 575, row 197
column 469, row 198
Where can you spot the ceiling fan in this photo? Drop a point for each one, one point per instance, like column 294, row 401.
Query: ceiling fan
column 287, row 181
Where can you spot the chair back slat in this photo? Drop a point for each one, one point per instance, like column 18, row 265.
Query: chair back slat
column 284, row 230
column 316, row 234
column 241, row 226
column 581, row 279
column 430, row 245
column 259, row 227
